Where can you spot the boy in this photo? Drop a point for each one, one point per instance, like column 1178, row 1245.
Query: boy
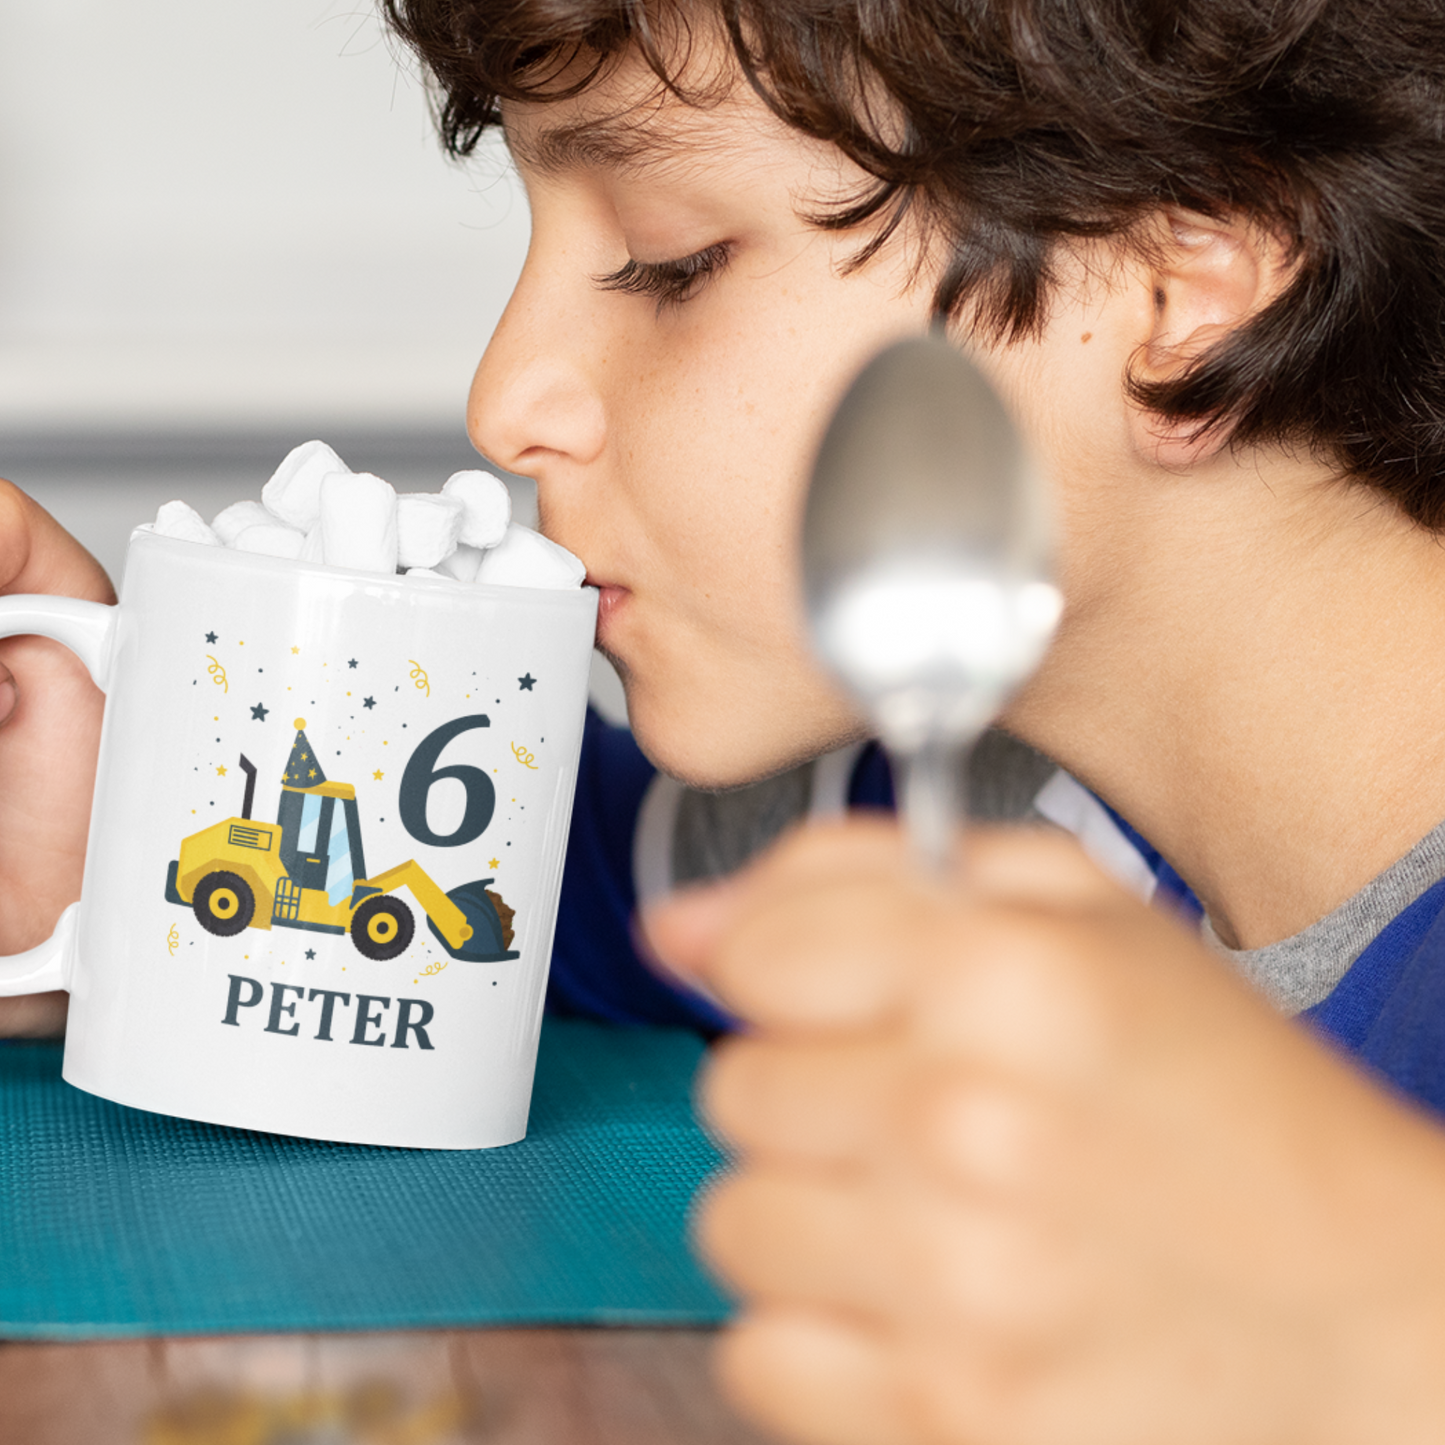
column 1026, row 1164
column 1022, row 1161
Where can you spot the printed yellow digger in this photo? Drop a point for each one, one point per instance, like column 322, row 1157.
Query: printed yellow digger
column 307, row 870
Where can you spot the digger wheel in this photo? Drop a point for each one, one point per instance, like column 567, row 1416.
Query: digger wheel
column 223, row 903
column 382, row 927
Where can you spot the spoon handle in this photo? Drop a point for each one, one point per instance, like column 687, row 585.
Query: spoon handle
column 932, row 810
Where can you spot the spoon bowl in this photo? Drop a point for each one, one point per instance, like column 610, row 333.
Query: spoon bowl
column 927, row 567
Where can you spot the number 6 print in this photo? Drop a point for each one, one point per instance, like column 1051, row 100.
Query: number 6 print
column 420, row 775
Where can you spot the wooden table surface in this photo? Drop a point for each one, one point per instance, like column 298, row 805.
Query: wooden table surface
column 504, row 1387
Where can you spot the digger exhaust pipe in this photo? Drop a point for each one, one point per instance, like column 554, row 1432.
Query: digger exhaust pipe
column 250, row 770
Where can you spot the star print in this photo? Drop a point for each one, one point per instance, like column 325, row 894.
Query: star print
column 369, row 702
column 310, row 953
column 210, row 637
column 220, row 772
column 352, row 663
column 295, row 649
column 259, row 713
column 495, row 863
column 526, row 682
column 312, row 773
column 378, row 775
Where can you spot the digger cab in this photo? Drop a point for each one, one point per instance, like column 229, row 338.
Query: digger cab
column 320, row 845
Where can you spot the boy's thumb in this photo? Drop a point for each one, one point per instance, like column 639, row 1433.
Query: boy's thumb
column 682, row 929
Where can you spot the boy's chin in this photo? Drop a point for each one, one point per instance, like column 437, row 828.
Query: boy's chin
column 714, row 754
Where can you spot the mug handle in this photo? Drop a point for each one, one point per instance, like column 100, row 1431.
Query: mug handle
column 86, row 629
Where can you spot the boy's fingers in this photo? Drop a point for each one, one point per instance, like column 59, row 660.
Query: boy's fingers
column 887, row 1247
column 832, row 1105
column 787, row 1235
column 1000, row 865
column 859, row 846
column 814, row 1379
column 684, row 927
column 37, row 554
column 991, row 1137
column 9, row 694
column 826, row 957
column 1035, row 865
column 1014, row 989
column 836, row 933
column 1041, row 864
column 824, row 1103
column 34, row 1016
column 1019, row 992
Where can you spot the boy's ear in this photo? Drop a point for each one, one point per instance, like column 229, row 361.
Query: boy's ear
column 1208, row 277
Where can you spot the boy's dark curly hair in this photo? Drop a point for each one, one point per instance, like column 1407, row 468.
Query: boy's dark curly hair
column 1028, row 121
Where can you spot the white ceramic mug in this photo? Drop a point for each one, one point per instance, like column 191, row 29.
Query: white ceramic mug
column 326, row 846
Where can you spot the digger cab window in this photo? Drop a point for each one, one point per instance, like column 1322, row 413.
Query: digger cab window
column 340, row 879
column 309, row 825
column 353, row 827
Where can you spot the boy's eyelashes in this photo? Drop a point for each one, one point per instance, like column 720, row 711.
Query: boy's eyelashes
column 669, row 282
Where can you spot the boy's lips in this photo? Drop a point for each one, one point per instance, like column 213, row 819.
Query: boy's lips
column 610, row 597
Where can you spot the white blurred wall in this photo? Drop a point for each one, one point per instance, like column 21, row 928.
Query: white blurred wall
column 235, row 217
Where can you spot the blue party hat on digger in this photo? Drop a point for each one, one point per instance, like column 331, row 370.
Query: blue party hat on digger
column 303, row 768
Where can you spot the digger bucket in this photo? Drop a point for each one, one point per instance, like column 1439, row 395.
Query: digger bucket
column 488, row 941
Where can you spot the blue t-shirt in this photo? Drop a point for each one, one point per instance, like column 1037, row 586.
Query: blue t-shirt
column 1388, row 1010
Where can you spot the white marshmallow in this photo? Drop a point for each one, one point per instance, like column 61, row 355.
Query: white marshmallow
column 462, row 564
column 486, row 503
column 183, row 522
column 230, row 523
column 317, row 510
column 426, row 528
column 358, row 522
column 524, row 558
column 271, row 539
column 294, row 492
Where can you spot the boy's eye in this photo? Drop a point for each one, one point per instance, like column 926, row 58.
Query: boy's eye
column 669, row 282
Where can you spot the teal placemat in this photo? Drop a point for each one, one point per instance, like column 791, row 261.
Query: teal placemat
column 114, row 1221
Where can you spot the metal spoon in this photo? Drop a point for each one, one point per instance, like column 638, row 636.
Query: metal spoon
column 926, row 566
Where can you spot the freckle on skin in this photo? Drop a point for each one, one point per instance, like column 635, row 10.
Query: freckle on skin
column 1087, row 337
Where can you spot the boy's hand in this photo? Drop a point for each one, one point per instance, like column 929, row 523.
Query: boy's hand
column 1022, row 1164
column 49, row 731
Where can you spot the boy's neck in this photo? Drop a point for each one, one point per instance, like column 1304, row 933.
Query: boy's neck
column 1258, row 685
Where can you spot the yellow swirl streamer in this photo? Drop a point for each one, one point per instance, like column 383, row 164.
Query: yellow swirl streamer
column 218, row 673
column 437, row 966
column 527, row 760
column 419, row 677
column 173, row 940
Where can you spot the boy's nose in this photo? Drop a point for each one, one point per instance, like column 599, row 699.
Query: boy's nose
column 533, row 398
